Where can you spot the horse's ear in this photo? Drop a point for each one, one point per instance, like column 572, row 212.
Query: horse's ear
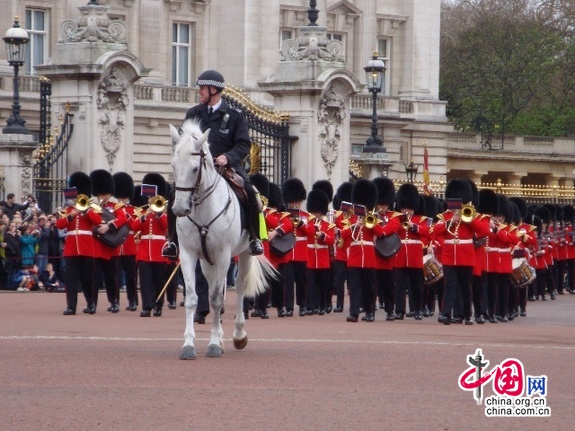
column 204, row 137
column 174, row 133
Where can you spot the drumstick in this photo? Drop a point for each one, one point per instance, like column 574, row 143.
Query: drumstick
column 168, row 282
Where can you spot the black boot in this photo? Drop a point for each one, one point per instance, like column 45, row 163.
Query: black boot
column 170, row 250
column 256, row 247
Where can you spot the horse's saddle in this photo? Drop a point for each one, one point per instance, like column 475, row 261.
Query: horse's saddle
column 236, row 182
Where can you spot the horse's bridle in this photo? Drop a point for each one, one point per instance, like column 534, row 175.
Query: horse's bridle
column 196, row 201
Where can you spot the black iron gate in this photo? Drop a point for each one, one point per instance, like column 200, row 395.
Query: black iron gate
column 50, row 170
column 269, row 133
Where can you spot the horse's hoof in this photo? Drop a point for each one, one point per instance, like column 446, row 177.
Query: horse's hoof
column 240, row 344
column 214, row 351
column 188, row 352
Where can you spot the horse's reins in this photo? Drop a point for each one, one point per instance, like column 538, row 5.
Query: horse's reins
column 195, row 201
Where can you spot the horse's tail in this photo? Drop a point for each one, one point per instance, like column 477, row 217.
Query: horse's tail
column 261, row 271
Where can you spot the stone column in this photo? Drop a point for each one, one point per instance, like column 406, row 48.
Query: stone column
column 16, row 164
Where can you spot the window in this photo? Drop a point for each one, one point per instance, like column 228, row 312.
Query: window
column 285, row 34
column 181, row 53
column 36, row 26
column 383, row 48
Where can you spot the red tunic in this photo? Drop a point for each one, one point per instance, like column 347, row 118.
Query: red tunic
column 129, row 247
column 106, row 252
column 79, row 238
column 391, row 223
column 281, row 223
column 410, row 254
column 320, row 237
column 361, row 251
column 153, row 236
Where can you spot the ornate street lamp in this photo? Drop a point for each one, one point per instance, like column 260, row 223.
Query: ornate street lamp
column 16, row 41
column 411, row 171
column 374, row 73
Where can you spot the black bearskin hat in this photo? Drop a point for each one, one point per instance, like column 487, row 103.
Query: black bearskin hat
column 364, row 192
column 503, row 206
column 431, row 206
column 293, row 190
column 459, row 189
column 275, row 199
column 211, row 78
column 568, row 213
column 474, row 193
column 385, row 191
column 407, row 197
column 544, row 213
column 422, row 207
column 552, row 211
column 102, row 182
column 325, row 186
column 317, row 201
column 139, row 200
column 343, row 192
column 124, row 185
column 158, row 180
column 82, row 182
column 261, row 182
column 488, row 202
column 558, row 212
column 521, row 205
column 514, row 213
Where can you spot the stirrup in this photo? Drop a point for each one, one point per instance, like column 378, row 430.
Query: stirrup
column 256, row 247
column 170, row 250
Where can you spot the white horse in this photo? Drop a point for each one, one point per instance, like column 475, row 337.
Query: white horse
column 209, row 229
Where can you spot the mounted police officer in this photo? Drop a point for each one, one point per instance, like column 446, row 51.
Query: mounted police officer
column 229, row 144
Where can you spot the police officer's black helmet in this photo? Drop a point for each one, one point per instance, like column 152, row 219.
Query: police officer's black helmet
column 211, row 78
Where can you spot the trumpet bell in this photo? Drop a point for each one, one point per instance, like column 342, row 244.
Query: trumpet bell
column 158, row 204
column 468, row 213
column 371, row 220
column 82, row 203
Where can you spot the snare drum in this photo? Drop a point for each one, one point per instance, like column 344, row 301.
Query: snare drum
column 432, row 269
column 523, row 273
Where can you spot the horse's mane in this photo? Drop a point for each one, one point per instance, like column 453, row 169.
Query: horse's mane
column 190, row 127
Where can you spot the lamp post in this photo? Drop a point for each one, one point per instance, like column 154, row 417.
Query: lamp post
column 374, row 73
column 411, row 171
column 16, row 39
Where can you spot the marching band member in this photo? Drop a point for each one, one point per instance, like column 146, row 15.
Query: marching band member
column 294, row 194
column 384, row 265
column 431, row 248
column 361, row 252
column 458, row 254
column 568, row 220
column 80, row 245
column 279, row 224
column 103, row 189
column 320, row 236
column 552, row 229
column 544, row 257
column 343, row 194
column 409, row 259
column 152, row 226
column 126, row 260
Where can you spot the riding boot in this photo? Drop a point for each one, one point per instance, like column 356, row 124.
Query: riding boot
column 256, row 247
column 170, row 247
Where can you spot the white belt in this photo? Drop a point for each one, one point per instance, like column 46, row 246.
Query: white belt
column 79, row 232
column 492, row 249
column 162, row 237
column 362, row 243
column 316, row 246
column 411, row 241
column 458, row 241
column 504, row 250
column 301, row 238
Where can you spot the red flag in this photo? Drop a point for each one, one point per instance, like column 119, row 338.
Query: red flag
column 426, row 188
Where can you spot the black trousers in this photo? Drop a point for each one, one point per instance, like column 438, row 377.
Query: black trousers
column 203, row 291
column 277, row 287
column 80, row 273
column 127, row 263
column 477, row 294
column 339, row 279
column 386, row 288
column 412, row 279
column 317, row 287
column 361, row 290
column 152, row 279
column 172, row 289
column 502, row 295
column 108, row 271
column 457, row 282
column 295, row 277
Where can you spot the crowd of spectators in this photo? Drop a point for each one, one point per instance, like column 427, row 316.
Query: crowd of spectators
column 30, row 247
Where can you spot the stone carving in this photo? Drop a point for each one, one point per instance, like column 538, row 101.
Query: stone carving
column 112, row 101
column 94, row 25
column 330, row 117
column 312, row 47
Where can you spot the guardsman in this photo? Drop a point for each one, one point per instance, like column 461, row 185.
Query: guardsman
column 343, row 194
column 320, row 237
column 103, row 189
column 294, row 193
column 126, row 260
column 409, row 259
column 457, row 230
column 361, row 252
column 569, row 220
column 278, row 223
column 80, row 246
column 384, row 266
column 152, row 225
column 431, row 250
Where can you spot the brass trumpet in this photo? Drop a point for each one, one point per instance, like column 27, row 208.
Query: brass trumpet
column 468, row 213
column 157, row 204
column 84, row 203
column 371, row 219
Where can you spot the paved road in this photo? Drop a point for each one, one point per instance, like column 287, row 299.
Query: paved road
column 121, row 372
